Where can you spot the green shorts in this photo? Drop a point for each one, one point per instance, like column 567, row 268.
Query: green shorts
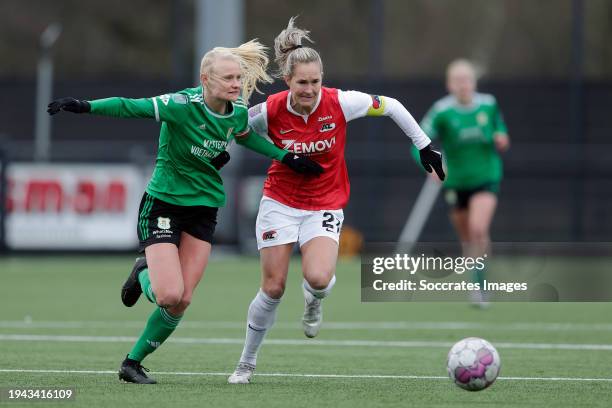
column 160, row 221
column 460, row 198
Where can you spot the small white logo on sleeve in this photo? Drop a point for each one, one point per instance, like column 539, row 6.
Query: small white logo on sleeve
column 163, row 223
column 285, row 131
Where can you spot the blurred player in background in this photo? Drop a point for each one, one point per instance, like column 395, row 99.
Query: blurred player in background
column 472, row 134
column 310, row 119
column 178, row 212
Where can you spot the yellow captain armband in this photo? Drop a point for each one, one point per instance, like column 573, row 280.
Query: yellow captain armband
column 378, row 106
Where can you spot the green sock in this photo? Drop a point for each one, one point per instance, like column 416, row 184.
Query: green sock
column 161, row 324
column 478, row 276
column 145, row 284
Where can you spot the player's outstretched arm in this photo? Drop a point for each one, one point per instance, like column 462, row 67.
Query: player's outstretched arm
column 358, row 104
column 297, row 163
column 115, row 107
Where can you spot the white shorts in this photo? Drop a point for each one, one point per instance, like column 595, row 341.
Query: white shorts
column 279, row 224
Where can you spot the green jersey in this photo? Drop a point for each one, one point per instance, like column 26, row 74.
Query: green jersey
column 466, row 136
column 191, row 135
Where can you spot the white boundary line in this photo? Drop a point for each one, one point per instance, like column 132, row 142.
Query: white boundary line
column 361, row 376
column 295, row 342
column 240, row 325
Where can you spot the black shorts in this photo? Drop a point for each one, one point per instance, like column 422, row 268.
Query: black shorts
column 159, row 221
column 459, row 199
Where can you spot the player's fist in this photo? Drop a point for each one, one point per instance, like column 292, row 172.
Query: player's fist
column 502, row 142
column 220, row 160
column 432, row 159
column 302, row 165
column 69, row 105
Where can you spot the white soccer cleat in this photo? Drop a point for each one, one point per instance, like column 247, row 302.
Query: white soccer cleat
column 242, row 374
column 313, row 316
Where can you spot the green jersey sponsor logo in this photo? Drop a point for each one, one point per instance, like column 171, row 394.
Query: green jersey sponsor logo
column 210, row 148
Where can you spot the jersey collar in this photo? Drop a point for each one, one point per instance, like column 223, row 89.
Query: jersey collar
column 466, row 108
column 305, row 117
column 230, row 105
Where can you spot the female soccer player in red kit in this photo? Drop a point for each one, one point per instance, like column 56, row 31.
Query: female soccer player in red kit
column 308, row 119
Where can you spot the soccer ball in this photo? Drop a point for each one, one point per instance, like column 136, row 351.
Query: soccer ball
column 473, row 364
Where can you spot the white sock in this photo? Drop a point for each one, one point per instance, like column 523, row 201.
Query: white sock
column 261, row 316
column 311, row 294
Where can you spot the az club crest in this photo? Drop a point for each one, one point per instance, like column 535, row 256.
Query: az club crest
column 269, row 235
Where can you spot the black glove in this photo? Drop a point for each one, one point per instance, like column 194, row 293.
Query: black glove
column 302, row 165
column 68, row 104
column 220, row 160
column 431, row 158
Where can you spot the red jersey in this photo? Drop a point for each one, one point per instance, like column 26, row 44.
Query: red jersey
column 322, row 138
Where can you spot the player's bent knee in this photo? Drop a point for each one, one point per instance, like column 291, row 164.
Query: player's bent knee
column 168, row 299
column 275, row 290
column 319, row 282
column 185, row 302
column 479, row 234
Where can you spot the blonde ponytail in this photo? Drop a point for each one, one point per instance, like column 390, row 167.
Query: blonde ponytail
column 253, row 61
column 289, row 50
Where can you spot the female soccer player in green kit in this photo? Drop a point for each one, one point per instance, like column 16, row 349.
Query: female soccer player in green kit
column 472, row 133
column 177, row 215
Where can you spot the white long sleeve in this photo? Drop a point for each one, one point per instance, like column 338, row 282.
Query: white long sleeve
column 357, row 104
column 258, row 119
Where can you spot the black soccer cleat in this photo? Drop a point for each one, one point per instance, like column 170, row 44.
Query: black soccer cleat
column 131, row 371
column 131, row 290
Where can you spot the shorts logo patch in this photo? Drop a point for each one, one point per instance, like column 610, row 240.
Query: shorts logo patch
column 269, row 235
column 163, row 223
column 451, row 197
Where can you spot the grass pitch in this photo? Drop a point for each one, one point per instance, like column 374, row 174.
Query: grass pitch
column 62, row 325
